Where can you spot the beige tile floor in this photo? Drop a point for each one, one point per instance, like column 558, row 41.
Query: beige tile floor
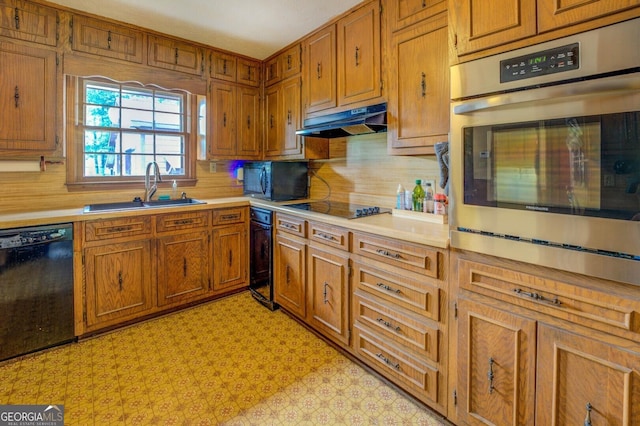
column 229, row 362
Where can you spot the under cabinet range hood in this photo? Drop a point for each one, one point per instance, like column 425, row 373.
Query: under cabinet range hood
column 358, row 121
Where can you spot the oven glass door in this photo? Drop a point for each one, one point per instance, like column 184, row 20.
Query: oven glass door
column 575, row 165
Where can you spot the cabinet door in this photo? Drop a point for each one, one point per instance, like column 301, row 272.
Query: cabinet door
column 230, row 254
column 403, row 13
column 477, row 26
column 328, row 293
column 106, row 39
column 174, row 55
column 183, row 267
column 273, row 143
column 272, row 71
column 554, row 14
column 223, row 116
column 582, row 380
column 289, row 274
column 248, row 72
column 290, row 61
column 290, row 117
column 248, row 123
column 419, row 88
column 28, row 21
column 223, row 66
column 27, row 98
column 496, row 366
column 320, row 74
column 118, row 282
column 359, row 55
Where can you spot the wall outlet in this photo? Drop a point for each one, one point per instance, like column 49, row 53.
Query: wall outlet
column 213, row 167
column 609, row 180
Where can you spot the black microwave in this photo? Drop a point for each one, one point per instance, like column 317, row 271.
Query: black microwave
column 276, row 180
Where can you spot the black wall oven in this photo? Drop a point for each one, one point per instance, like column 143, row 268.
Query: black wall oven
column 546, row 154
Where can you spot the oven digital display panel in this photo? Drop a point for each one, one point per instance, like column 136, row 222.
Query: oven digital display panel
column 549, row 61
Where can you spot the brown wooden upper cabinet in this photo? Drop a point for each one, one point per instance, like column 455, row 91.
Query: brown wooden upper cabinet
column 282, row 119
column 106, row 39
column 359, row 55
column 28, row 21
column 476, row 27
column 175, row 55
column 235, row 121
column 418, row 107
column 248, row 72
column 284, row 65
column 320, row 70
column 28, row 104
column 342, row 61
column 223, row 66
column 403, row 13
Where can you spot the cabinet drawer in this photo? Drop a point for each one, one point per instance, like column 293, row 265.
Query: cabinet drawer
column 331, row 235
column 118, row 228
column 291, row 224
column 409, row 330
column 396, row 363
column 407, row 256
column 411, row 292
column 603, row 310
column 181, row 221
column 227, row 216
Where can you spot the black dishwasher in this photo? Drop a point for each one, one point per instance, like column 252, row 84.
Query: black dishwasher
column 260, row 276
column 36, row 288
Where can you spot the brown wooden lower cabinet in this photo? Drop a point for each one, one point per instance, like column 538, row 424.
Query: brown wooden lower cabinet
column 289, row 271
column 119, row 281
column 328, row 292
column 536, row 346
column 183, row 267
column 496, row 366
column 581, row 380
column 136, row 266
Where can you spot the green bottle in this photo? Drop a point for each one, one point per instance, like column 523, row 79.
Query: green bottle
column 418, row 196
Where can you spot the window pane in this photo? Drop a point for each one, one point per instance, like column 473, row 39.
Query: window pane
column 147, row 125
column 108, row 95
column 166, row 144
column 101, row 116
column 172, row 165
column 96, row 141
column 138, row 143
column 137, row 98
column 167, row 102
column 136, row 165
column 100, row 165
column 168, row 122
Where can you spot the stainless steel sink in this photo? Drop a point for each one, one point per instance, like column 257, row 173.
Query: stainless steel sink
column 137, row 204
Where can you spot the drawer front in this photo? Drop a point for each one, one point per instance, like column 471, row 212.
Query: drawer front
column 118, row 228
column 414, row 293
column 397, row 363
column 291, row 224
column 333, row 236
column 181, row 221
column 598, row 309
column 408, row 256
column 409, row 330
column 227, row 216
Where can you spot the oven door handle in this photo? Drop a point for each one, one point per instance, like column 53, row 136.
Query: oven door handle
column 624, row 84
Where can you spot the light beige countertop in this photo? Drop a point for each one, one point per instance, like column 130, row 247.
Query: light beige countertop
column 388, row 225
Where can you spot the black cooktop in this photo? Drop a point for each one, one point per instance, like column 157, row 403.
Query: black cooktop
column 340, row 209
